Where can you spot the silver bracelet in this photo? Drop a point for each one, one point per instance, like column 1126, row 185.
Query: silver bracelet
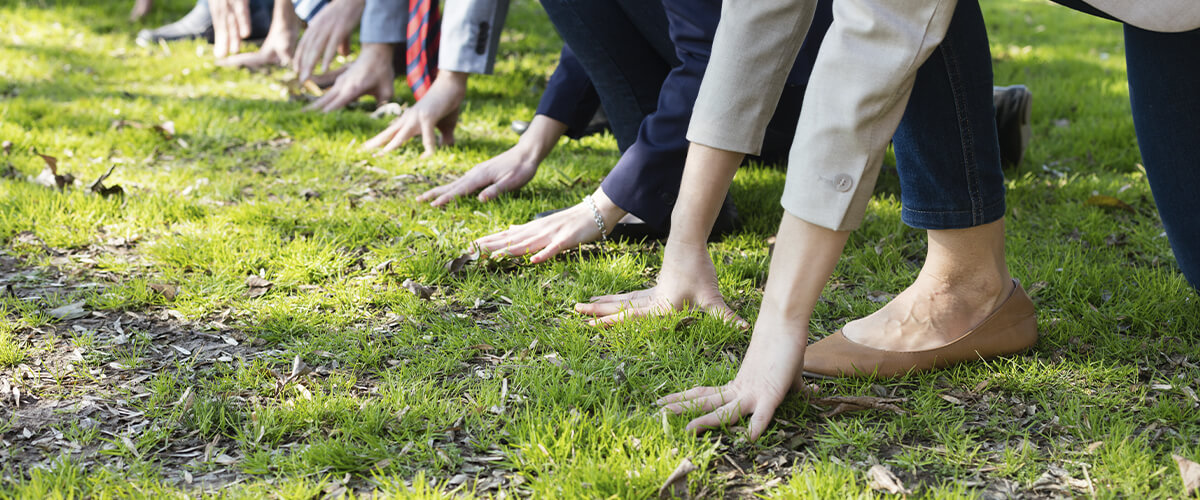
column 596, row 215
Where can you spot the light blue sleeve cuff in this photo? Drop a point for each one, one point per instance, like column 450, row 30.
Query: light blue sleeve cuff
column 471, row 35
column 384, row 21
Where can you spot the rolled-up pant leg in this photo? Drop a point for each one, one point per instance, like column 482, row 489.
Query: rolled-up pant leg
column 947, row 151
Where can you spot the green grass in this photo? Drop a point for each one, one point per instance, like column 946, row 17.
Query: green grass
column 492, row 377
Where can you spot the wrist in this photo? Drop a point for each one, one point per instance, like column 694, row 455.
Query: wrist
column 540, row 138
column 607, row 211
column 377, row 51
column 455, row 81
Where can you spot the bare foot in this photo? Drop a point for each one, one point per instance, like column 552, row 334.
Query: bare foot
column 929, row 314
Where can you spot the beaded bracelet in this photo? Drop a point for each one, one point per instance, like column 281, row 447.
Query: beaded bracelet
column 596, row 215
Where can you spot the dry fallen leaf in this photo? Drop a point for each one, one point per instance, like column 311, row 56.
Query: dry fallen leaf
column 70, row 311
column 390, row 109
column 50, row 177
column 676, row 484
column 881, row 479
column 456, row 264
column 1057, row 479
column 256, row 286
column 99, row 188
column 299, row 368
column 167, row 129
column 1108, row 202
column 1191, row 474
column 848, row 404
column 418, row 289
column 168, row 292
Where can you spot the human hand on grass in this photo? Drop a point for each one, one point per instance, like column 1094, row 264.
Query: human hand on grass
column 370, row 74
column 546, row 237
column 771, row 369
column 231, row 24
column 506, row 172
column 277, row 47
column 434, row 116
column 326, row 35
column 687, row 280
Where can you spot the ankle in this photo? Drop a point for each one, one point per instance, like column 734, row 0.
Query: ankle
column 990, row 286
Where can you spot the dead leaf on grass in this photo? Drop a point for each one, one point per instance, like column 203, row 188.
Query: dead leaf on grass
column 70, row 311
column 1108, row 202
column 676, row 484
column 880, row 478
column 30, row 239
column 257, row 286
column 1190, row 471
column 390, row 109
column 99, row 188
column 167, row 129
column 1058, row 479
column 299, row 368
column 310, row 194
column 849, row 404
column 453, row 266
column 421, row 291
column 168, row 292
column 50, row 177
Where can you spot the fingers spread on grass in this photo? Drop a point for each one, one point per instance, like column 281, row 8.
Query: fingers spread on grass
column 241, row 15
column 248, row 60
column 627, row 314
column 428, row 137
column 612, row 304
column 761, row 419
column 704, row 403
column 728, row 414
column 693, row 393
column 727, row 314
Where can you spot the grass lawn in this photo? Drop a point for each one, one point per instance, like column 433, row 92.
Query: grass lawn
column 136, row 361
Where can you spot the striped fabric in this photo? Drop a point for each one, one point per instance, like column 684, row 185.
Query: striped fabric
column 422, row 48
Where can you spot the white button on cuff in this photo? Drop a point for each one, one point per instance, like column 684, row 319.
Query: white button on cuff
column 843, row 182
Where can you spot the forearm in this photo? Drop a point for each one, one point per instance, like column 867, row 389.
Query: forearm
column 707, row 176
column 804, row 258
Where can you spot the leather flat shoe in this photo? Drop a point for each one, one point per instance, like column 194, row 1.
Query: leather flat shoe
column 1010, row 329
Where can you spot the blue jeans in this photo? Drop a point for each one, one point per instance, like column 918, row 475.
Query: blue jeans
column 1164, row 91
column 947, row 151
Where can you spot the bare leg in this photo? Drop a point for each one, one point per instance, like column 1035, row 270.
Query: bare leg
column 963, row 280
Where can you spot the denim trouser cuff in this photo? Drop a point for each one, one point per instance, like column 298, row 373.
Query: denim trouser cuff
column 937, row 220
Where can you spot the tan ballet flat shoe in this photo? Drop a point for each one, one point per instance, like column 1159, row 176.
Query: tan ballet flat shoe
column 1010, row 329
